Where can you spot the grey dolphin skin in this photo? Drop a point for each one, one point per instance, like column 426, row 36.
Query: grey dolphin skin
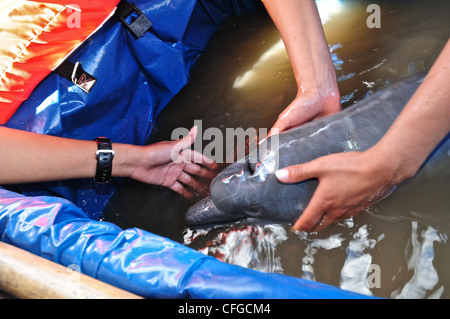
column 250, row 190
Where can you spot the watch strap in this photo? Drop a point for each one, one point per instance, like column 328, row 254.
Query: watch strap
column 105, row 156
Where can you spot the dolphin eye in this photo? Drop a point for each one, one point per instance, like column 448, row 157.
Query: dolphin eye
column 253, row 211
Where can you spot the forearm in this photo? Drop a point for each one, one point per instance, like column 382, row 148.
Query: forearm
column 29, row 157
column 301, row 30
column 423, row 123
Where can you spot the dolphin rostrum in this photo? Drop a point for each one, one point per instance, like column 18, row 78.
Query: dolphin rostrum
column 250, row 190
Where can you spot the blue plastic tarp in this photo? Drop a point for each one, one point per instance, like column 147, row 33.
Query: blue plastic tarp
column 135, row 260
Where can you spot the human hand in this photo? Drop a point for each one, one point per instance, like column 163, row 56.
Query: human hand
column 304, row 108
column 174, row 165
column 348, row 183
column 304, row 38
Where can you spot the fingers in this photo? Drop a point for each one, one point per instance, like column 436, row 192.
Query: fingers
column 312, row 217
column 318, row 218
column 189, row 186
column 319, row 213
column 191, row 156
column 322, row 212
column 187, row 141
column 276, row 129
column 183, row 144
column 182, row 153
column 314, row 212
column 283, row 123
column 195, row 178
column 298, row 112
column 185, row 185
column 199, row 171
column 181, row 189
column 299, row 173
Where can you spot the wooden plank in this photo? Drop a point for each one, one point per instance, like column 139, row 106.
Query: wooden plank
column 4, row 295
column 28, row 276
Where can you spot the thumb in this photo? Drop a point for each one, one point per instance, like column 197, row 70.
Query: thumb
column 297, row 173
column 186, row 142
column 182, row 144
column 280, row 126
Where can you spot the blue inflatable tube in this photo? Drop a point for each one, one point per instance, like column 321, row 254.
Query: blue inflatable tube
column 135, row 260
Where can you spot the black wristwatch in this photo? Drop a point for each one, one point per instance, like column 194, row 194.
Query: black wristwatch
column 105, row 156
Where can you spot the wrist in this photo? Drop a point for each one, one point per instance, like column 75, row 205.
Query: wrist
column 125, row 160
column 324, row 89
column 386, row 158
column 328, row 100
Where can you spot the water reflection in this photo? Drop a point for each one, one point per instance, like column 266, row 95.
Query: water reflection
column 425, row 277
column 354, row 257
column 247, row 246
column 327, row 9
column 358, row 264
column 275, row 54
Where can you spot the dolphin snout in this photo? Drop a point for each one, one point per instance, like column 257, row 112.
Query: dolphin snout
column 206, row 213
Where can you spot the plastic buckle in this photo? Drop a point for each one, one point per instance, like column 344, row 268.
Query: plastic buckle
column 82, row 79
column 139, row 25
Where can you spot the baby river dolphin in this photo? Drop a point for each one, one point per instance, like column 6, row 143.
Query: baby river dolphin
column 250, row 190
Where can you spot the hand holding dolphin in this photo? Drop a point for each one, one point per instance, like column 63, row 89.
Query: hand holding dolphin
column 301, row 29
column 349, row 182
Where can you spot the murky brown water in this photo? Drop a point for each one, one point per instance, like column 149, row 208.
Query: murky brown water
column 398, row 248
